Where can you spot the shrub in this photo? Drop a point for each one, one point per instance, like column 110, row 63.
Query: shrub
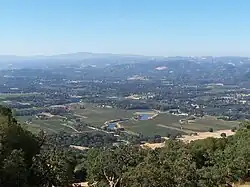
column 223, row 135
column 233, row 129
column 210, row 130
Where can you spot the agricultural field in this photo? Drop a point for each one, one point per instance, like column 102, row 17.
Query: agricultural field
column 53, row 125
column 206, row 122
column 14, row 95
column 97, row 116
column 163, row 124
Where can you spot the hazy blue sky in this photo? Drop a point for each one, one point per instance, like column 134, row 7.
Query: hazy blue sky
column 149, row 27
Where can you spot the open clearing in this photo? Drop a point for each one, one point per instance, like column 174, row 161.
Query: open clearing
column 204, row 135
column 150, row 127
column 163, row 124
column 53, row 125
column 206, row 122
column 189, row 138
column 81, row 148
column 97, row 116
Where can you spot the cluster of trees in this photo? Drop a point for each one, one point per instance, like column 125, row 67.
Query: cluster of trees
column 85, row 139
column 27, row 160
column 28, row 111
column 204, row 163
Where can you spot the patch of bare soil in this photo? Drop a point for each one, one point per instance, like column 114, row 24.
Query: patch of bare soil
column 81, row 184
column 153, row 145
column 204, row 135
column 189, row 138
column 79, row 147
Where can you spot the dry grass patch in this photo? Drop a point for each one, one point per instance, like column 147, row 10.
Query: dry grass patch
column 204, row 135
column 153, row 145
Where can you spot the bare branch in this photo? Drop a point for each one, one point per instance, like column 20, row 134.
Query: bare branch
column 106, row 176
column 117, row 180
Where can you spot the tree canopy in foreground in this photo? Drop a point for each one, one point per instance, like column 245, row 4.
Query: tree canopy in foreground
column 27, row 160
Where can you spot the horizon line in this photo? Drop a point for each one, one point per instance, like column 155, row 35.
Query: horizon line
column 121, row 54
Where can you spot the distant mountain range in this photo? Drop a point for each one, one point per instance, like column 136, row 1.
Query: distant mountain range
column 72, row 56
column 88, row 55
column 83, row 58
column 98, row 59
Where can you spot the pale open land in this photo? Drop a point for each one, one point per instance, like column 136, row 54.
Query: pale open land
column 85, row 184
column 204, row 135
column 135, row 97
column 247, row 184
column 153, row 145
column 189, row 138
column 82, row 184
column 81, row 148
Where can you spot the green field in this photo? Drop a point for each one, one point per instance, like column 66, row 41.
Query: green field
column 53, row 125
column 97, row 116
column 14, row 95
column 151, row 127
column 163, row 124
column 150, row 130
column 203, row 124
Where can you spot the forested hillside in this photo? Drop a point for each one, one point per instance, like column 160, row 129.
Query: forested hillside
column 27, row 160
